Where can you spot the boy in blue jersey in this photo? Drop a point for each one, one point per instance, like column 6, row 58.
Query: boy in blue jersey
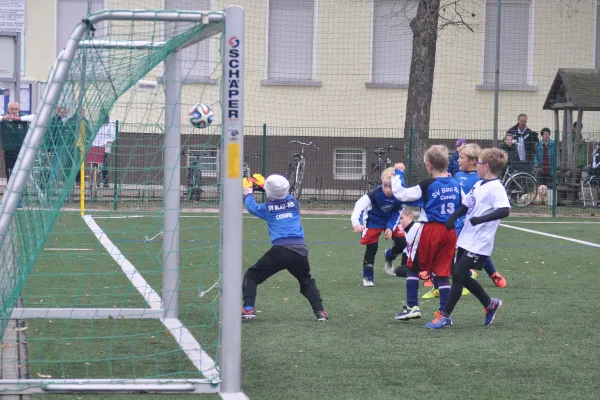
column 439, row 197
column 289, row 252
column 374, row 213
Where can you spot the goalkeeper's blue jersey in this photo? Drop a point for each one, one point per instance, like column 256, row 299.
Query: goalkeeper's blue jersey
column 283, row 219
column 466, row 179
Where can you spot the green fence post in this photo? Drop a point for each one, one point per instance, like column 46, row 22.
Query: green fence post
column 116, row 169
column 264, row 155
column 411, row 133
column 554, row 173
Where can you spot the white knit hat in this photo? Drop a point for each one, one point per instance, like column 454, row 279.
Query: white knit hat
column 276, row 187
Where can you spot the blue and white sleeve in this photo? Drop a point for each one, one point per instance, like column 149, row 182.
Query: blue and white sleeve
column 258, row 210
column 401, row 192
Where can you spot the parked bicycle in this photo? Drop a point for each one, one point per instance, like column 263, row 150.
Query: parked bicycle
column 373, row 178
column 296, row 168
column 521, row 187
column 246, row 173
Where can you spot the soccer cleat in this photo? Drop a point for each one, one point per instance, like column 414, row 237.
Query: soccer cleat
column 368, row 282
column 498, row 280
column 474, row 274
column 438, row 313
column 428, row 282
column 389, row 263
column 465, row 292
column 490, row 312
column 439, row 322
column 321, row 316
column 408, row 313
column 248, row 312
column 433, row 293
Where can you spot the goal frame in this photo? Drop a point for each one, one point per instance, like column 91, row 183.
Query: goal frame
column 224, row 378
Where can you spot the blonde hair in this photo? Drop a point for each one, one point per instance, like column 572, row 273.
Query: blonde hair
column 388, row 173
column 408, row 211
column 495, row 158
column 437, row 156
column 471, row 150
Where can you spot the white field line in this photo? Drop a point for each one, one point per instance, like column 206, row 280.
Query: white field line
column 201, row 360
column 66, row 249
column 552, row 235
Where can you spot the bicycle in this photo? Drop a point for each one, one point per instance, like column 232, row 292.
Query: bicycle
column 296, row 168
column 246, row 168
column 521, row 187
column 373, row 178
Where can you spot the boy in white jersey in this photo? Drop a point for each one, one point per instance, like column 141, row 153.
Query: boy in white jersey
column 483, row 206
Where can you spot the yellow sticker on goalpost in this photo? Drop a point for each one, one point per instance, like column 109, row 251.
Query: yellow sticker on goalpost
column 233, row 160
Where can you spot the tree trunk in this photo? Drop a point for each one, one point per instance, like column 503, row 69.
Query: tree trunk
column 420, row 90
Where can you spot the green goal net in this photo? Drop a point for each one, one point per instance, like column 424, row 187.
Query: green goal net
column 104, row 286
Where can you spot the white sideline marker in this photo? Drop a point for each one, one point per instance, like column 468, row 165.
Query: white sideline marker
column 65, row 249
column 190, row 346
column 552, row 235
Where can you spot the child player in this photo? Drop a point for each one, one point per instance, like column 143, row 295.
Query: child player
column 411, row 230
column 282, row 213
column 374, row 213
column 484, row 206
column 467, row 177
column 439, row 197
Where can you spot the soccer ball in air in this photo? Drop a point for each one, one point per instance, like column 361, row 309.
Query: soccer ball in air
column 201, row 115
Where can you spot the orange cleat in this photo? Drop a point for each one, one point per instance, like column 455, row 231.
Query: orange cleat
column 498, row 280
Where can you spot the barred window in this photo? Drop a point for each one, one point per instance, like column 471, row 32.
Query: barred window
column 349, row 163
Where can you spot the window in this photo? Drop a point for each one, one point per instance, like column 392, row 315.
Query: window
column 196, row 60
column 514, row 42
column 70, row 13
column 349, row 163
column 597, row 34
column 392, row 42
column 207, row 159
column 291, row 42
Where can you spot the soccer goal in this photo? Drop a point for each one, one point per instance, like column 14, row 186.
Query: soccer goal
column 137, row 298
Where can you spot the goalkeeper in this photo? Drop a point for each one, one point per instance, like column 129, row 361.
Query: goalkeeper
column 282, row 213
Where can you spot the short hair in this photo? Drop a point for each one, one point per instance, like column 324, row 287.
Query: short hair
column 471, row 150
column 545, row 130
column 408, row 211
column 521, row 115
column 14, row 102
column 495, row 158
column 437, row 156
column 388, row 173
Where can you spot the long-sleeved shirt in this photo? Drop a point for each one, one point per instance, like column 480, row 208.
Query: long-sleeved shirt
column 376, row 210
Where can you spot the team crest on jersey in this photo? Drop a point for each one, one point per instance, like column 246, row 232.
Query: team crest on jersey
column 471, row 205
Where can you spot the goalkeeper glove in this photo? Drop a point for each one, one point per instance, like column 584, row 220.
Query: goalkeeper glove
column 259, row 182
column 247, row 185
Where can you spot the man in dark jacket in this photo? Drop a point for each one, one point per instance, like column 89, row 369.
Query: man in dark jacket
column 13, row 128
column 526, row 139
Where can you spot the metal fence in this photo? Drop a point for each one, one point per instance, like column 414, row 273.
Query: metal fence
column 340, row 165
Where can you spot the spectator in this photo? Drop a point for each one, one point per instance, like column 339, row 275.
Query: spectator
column 13, row 128
column 105, row 137
column 545, row 157
column 594, row 171
column 453, row 162
column 580, row 153
column 526, row 140
column 511, row 149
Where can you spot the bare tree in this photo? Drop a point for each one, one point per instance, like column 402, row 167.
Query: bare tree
column 431, row 17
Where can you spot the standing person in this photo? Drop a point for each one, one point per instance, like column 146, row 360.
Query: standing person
column 105, row 137
column 376, row 212
column 453, row 162
column 484, row 206
column 13, row 129
column 595, row 171
column 511, row 150
column 544, row 158
column 438, row 196
column 282, row 213
column 527, row 141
